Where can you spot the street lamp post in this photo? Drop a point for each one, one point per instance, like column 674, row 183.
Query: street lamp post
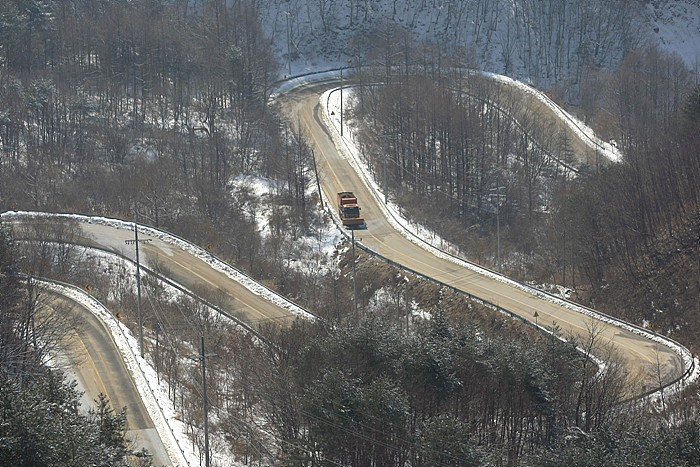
column 386, row 191
column 498, row 222
column 498, row 232
column 564, row 274
column 341, row 97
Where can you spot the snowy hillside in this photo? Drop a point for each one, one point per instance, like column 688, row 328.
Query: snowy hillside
column 675, row 26
column 539, row 41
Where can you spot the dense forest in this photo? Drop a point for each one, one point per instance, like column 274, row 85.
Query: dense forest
column 154, row 111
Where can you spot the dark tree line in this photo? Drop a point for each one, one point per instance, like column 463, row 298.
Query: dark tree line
column 446, row 394
column 668, row 446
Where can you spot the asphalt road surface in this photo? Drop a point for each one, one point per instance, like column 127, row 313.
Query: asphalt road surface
column 178, row 265
column 97, row 365
column 192, row 273
column 643, row 358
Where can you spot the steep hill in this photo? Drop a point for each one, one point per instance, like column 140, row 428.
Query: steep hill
column 540, row 41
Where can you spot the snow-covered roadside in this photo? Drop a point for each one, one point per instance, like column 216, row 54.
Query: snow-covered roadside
column 330, row 103
column 154, row 396
column 586, row 134
column 189, row 247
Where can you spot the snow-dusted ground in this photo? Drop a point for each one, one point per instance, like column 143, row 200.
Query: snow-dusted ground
column 310, row 253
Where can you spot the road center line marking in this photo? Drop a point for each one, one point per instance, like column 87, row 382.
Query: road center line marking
column 582, row 330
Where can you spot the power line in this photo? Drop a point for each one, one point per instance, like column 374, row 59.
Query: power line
column 162, row 317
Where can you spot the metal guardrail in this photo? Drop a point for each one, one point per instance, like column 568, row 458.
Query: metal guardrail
column 162, row 234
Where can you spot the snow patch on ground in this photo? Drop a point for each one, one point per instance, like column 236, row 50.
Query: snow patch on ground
column 676, row 26
column 311, row 253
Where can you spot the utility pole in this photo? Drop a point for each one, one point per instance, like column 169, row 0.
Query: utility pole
column 318, row 180
column 289, row 46
column 203, row 357
column 354, row 277
column 408, row 307
column 386, row 196
column 157, row 359
column 136, row 241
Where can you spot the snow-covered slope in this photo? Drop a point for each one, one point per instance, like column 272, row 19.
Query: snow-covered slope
column 540, row 41
column 675, row 26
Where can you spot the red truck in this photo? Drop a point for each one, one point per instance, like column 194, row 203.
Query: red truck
column 348, row 210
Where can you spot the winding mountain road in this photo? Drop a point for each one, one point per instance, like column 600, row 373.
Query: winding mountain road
column 97, row 365
column 649, row 363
